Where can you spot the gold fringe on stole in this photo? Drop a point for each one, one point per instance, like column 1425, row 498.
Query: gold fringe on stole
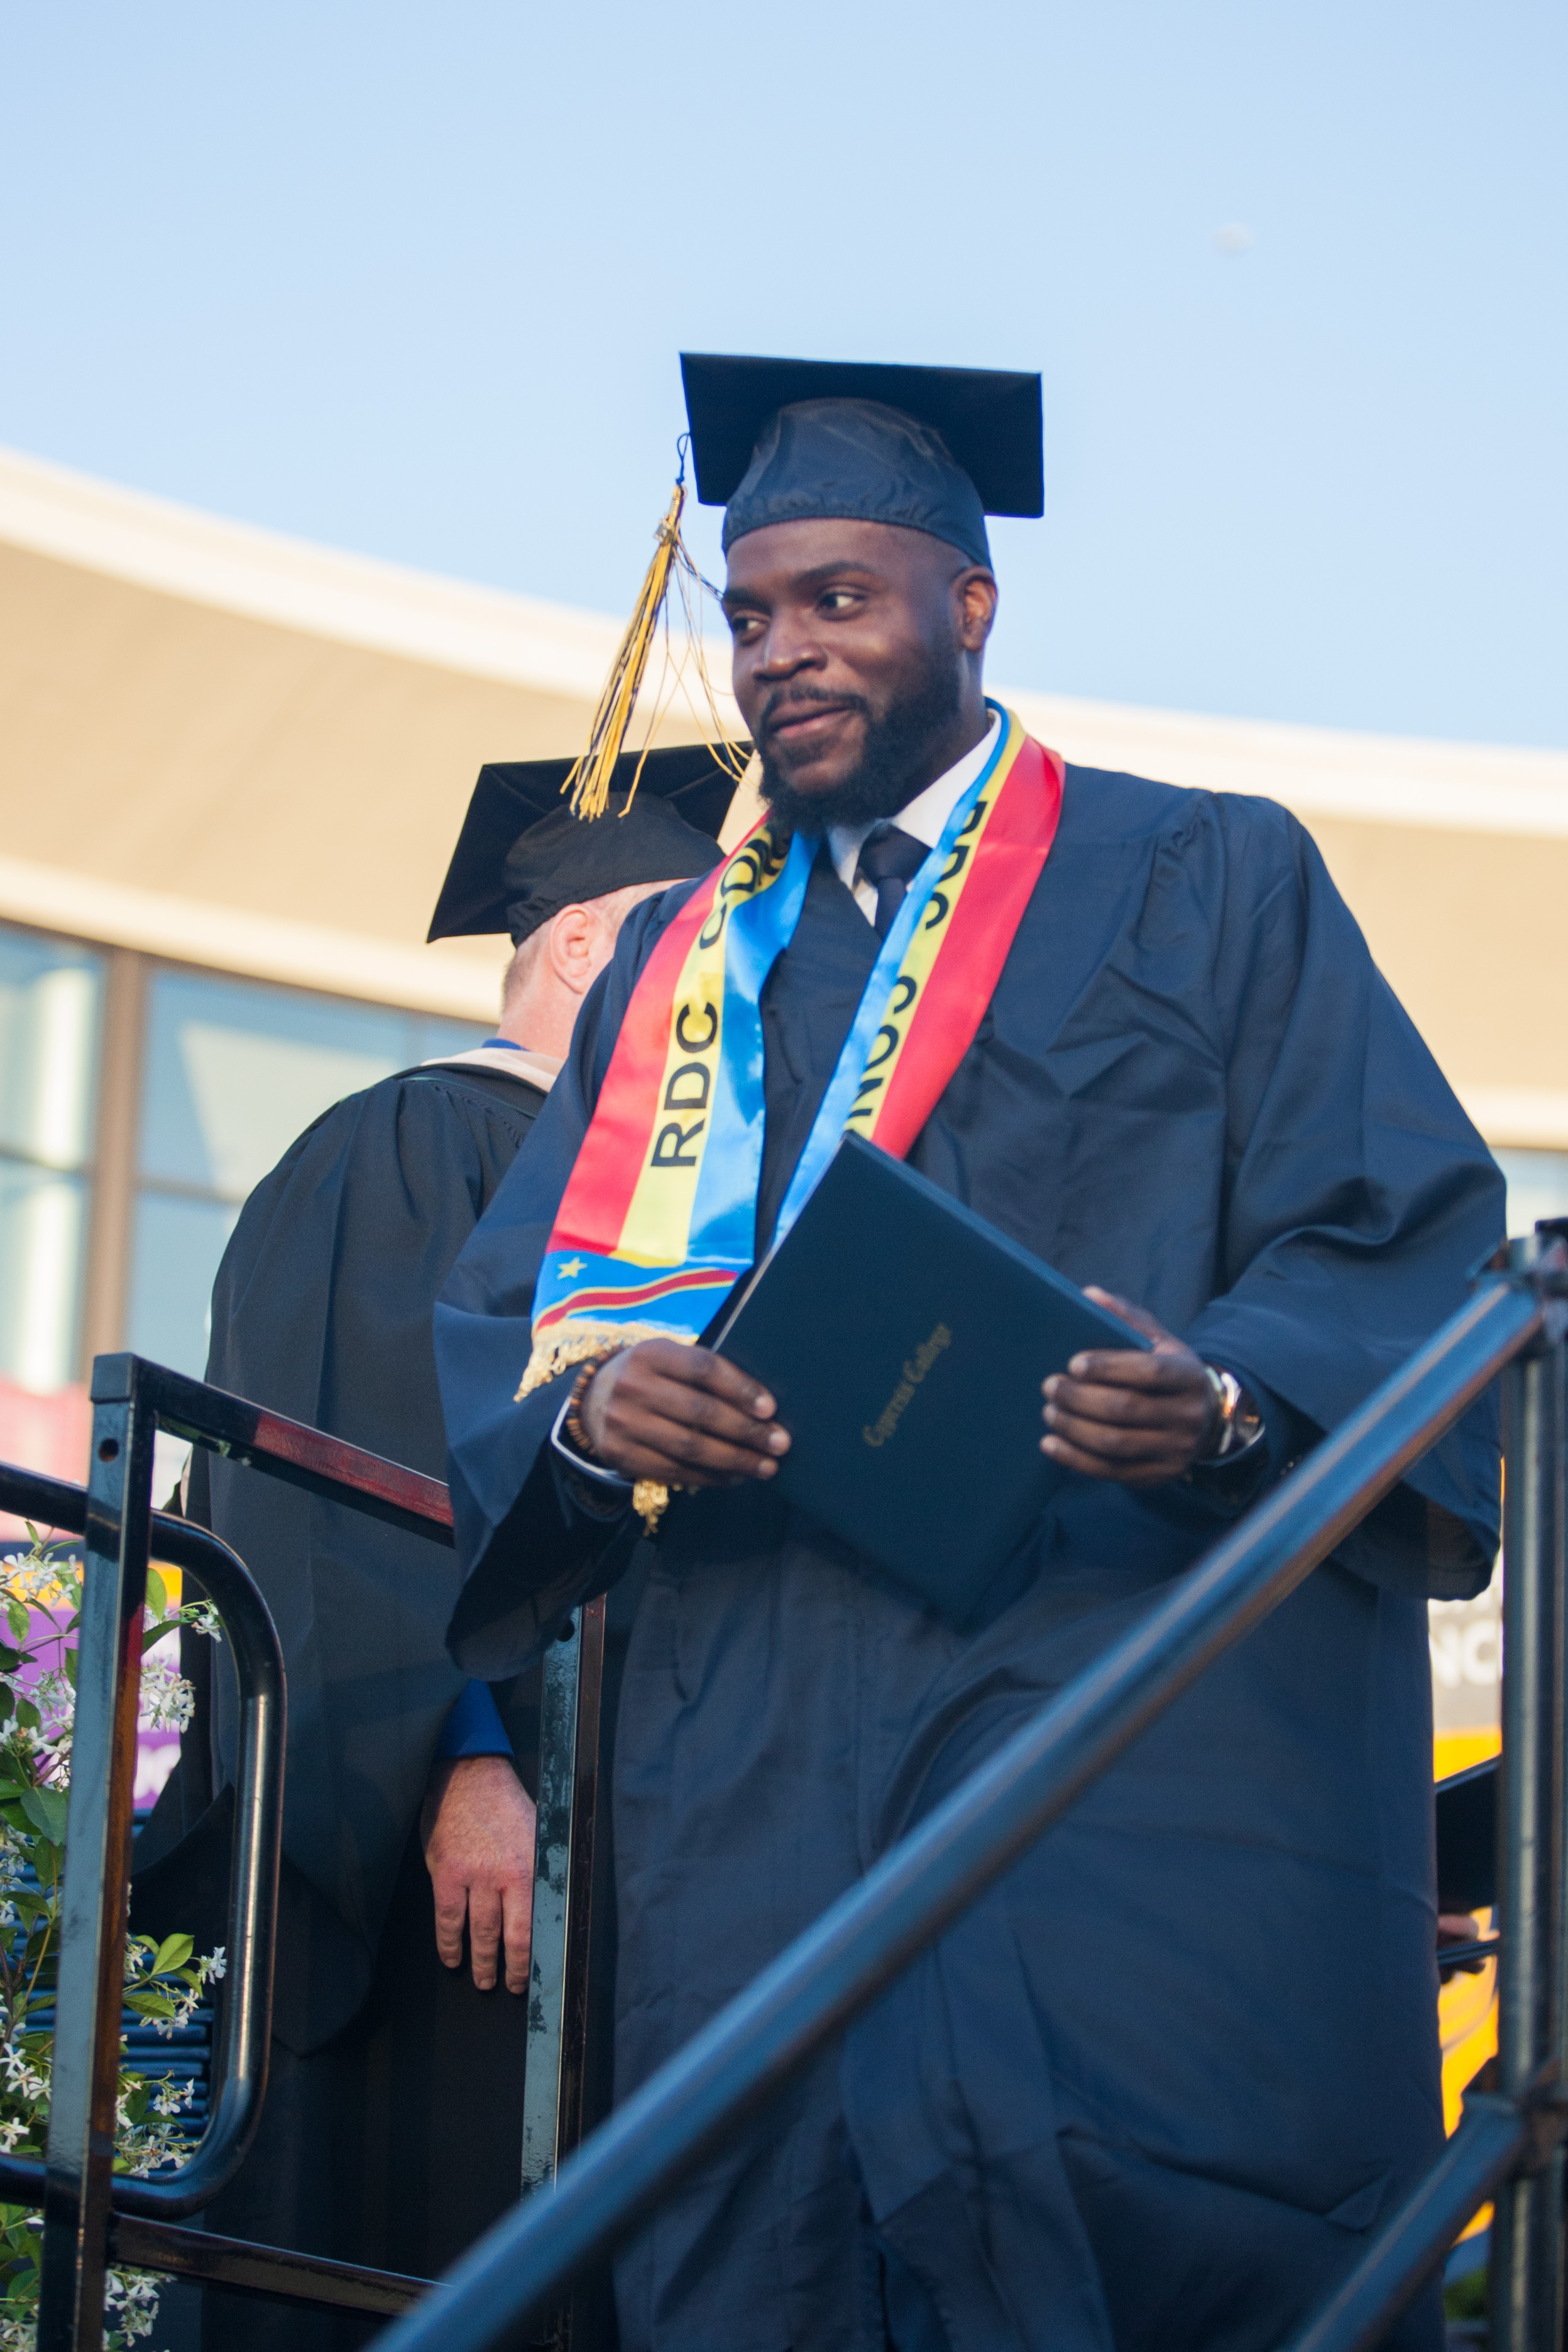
column 584, row 1342
column 595, row 1343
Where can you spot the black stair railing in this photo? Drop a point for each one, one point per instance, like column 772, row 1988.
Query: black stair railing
column 142, row 2231
column 131, row 1402
column 1508, row 2142
column 91, row 2214
column 240, row 2082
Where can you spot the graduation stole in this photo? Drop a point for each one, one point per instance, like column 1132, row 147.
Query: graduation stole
column 658, row 1219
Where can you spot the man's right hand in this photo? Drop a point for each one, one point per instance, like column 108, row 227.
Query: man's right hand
column 682, row 1417
column 476, row 1826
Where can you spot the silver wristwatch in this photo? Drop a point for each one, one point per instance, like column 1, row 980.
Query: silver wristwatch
column 1240, row 1425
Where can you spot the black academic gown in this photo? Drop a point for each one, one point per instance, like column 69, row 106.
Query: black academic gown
column 391, row 2131
column 1126, row 2102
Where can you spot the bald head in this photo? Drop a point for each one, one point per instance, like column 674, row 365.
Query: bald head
column 555, row 967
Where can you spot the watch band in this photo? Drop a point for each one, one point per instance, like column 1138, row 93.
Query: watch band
column 607, row 1483
column 1240, row 1425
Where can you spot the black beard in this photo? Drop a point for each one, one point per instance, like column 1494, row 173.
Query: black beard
column 882, row 784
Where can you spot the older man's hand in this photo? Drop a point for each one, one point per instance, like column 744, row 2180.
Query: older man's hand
column 1134, row 1417
column 477, row 1831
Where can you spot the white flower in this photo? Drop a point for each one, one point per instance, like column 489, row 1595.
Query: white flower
column 168, row 1700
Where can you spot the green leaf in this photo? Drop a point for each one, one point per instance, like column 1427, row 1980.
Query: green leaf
column 172, row 1953
column 18, row 1619
column 46, row 1808
column 68, row 1660
column 157, row 1591
column 147, row 2002
column 27, row 1715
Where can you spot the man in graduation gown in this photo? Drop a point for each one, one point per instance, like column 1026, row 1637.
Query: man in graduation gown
column 392, row 2130
column 1127, row 2101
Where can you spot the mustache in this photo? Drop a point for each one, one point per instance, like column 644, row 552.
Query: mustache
column 785, row 699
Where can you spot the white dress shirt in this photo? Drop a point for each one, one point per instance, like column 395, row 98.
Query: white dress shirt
column 923, row 819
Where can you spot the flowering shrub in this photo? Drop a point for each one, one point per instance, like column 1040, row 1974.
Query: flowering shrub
column 40, row 1595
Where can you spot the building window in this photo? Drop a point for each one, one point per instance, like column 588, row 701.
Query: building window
column 233, row 1071
column 1537, row 1186
column 139, row 1103
column 50, row 1007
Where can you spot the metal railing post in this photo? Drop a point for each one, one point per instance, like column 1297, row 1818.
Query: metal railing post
column 562, row 1918
column 552, row 1892
column 1527, row 2280
column 563, row 1894
column 86, row 2072
column 240, row 2071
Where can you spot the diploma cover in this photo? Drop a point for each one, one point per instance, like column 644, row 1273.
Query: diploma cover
column 905, row 1341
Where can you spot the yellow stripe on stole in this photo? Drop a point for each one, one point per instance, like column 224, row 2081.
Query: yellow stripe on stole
column 657, row 1231
column 920, row 956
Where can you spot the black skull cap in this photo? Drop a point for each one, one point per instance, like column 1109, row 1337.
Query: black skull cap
column 521, row 856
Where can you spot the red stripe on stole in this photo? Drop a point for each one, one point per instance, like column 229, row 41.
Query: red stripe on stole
column 587, row 1302
column 1007, row 863
column 604, row 1176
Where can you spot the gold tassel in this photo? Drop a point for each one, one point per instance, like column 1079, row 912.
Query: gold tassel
column 591, row 777
column 589, row 781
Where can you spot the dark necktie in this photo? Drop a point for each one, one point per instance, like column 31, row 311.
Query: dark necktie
column 890, row 860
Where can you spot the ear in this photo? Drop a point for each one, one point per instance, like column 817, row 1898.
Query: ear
column 975, row 601
column 575, row 943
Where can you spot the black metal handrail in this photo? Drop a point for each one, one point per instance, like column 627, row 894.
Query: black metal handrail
column 744, row 2056
column 80, row 2194
column 241, row 2074
column 1468, row 1955
column 291, row 1451
column 273, row 2274
column 276, row 2272
column 92, row 2214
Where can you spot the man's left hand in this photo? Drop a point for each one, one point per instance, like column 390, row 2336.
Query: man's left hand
column 1135, row 1417
column 477, row 1830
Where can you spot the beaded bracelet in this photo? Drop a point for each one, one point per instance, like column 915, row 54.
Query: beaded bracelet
column 572, row 1422
column 650, row 1499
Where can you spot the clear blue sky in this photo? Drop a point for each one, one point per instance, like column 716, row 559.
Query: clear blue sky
column 413, row 280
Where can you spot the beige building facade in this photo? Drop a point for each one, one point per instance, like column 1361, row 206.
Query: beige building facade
column 232, row 770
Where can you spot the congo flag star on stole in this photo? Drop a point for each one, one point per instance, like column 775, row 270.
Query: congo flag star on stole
column 657, row 1221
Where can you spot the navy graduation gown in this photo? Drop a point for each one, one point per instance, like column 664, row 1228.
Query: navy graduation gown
column 369, row 2148
column 321, row 1310
column 1123, row 2103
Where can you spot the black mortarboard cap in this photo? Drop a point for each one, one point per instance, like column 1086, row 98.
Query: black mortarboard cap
column 934, row 450
column 521, row 856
